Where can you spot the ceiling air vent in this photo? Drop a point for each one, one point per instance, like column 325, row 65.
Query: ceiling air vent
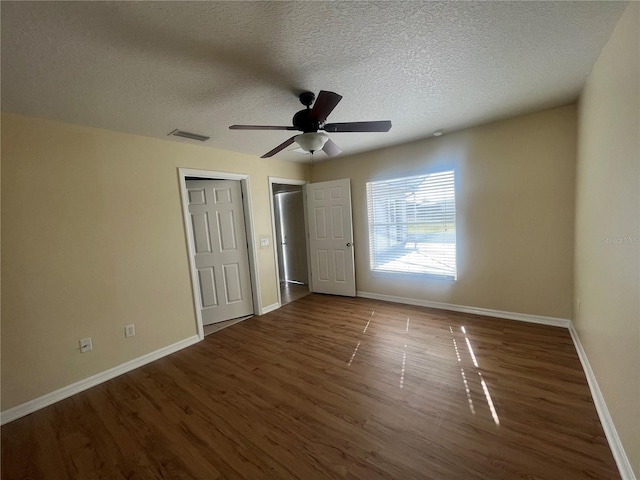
column 189, row 135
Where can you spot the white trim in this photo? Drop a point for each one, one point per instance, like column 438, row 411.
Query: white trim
column 270, row 308
column 194, row 172
column 522, row 317
column 65, row 392
column 287, row 181
column 243, row 178
column 281, row 181
column 626, row 472
column 251, row 243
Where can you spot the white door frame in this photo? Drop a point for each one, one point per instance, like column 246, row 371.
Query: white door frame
column 283, row 181
column 183, row 173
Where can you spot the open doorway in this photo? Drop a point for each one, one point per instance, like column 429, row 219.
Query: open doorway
column 287, row 201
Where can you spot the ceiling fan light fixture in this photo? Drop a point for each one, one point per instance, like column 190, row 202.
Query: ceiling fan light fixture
column 311, row 141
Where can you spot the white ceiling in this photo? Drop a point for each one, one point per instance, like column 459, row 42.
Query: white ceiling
column 150, row 67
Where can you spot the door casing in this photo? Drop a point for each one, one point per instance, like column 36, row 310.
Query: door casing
column 183, row 173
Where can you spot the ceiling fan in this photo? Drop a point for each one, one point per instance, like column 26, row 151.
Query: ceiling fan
column 310, row 120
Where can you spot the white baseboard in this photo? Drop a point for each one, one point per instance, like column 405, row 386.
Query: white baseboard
column 626, row 472
column 65, row 392
column 522, row 317
column 269, row 308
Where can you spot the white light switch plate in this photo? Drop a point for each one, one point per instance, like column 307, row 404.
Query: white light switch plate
column 264, row 242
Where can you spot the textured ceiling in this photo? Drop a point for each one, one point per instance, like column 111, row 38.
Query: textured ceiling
column 151, row 67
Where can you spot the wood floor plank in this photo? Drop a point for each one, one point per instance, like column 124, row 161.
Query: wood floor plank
column 332, row 388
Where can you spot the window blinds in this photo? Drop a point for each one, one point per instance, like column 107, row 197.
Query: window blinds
column 412, row 224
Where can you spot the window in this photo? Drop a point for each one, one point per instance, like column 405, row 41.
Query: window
column 412, row 224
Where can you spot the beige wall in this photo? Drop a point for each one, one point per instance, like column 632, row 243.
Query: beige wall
column 515, row 209
column 93, row 239
column 607, row 267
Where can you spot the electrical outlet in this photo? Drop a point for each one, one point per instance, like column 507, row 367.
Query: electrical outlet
column 264, row 241
column 129, row 331
column 86, row 345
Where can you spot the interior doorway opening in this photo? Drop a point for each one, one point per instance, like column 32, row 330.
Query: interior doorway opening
column 290, row 242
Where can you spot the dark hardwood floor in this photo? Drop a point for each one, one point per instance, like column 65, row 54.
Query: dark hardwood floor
column 329, row 387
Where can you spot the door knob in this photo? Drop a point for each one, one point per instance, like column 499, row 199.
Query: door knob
column 349, row 244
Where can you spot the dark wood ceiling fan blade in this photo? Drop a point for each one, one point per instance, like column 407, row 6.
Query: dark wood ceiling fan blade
column 325, row 103
column 378, row 126
column 331, row 149
column 280, row 147
column 260, row 127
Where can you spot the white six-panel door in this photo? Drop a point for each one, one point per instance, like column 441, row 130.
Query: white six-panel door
column 220, row 249
column 331, row 237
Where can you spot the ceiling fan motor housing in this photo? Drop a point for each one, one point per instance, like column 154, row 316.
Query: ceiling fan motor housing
column 303, row 123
